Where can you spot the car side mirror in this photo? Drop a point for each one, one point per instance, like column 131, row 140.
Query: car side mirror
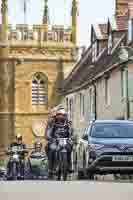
column 85, row 137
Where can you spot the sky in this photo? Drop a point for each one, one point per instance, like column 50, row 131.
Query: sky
column 90, row 12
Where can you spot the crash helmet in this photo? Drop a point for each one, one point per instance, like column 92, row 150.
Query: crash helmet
column 19, row 137
column 37, row 144
column 60, row 107
column 61, row 112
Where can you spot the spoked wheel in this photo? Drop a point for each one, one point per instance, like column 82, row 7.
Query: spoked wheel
column 65, row 173
column 63, row 166
column 80, row 175
column 91, row 176
column 14, row 171
column 84, row 166
column 28, row 171
column 59, row 175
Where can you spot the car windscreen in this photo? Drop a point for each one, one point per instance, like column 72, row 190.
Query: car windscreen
column 112, row 130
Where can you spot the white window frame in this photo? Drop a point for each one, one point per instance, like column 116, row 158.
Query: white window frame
column 39, row 90
column 71, row 108
column 90, row 100
column 67, row 104
column 82, row 105
column 123, row 83
column 130, row 30
column 94, row 51
column 107, row 91
column 91, row 103
column 110, row 43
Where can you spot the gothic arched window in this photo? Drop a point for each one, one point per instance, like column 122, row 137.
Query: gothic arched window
column 39, row 89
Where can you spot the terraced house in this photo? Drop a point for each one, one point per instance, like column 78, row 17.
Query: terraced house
column 100, row 84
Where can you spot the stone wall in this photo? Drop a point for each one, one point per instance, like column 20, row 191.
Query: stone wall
column 25, row 112
column 115, row 108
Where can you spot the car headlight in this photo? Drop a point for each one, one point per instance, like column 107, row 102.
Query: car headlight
column 130, row 148
column 95, row 146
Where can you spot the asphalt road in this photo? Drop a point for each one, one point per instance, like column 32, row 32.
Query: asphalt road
column 71, row 190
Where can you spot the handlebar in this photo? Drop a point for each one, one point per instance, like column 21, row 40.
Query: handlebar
column 18, row 151
column 57, row 139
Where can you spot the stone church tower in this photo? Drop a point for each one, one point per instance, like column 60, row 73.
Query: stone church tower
column 33, row 63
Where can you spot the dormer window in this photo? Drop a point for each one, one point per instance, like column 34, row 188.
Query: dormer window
column 130, row 30
column 110, row 43
column 94, row 51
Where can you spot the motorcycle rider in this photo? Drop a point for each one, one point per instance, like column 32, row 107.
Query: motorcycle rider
column 21, row 146
column 38, row 146
column 60, row 128
column 38, row 149
column 52, row 117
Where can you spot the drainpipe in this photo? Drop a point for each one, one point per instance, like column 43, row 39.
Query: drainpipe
column 127, row 94
column 124, row 57
column 95, row 102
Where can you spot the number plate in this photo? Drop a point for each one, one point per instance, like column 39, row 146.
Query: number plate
column 123, row 158
column 62, row 142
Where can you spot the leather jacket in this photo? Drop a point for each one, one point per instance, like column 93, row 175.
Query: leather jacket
column 21, row 146
column 59, row 129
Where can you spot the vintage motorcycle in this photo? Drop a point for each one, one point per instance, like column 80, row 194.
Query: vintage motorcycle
column 15, row 163
column 38, row 166
column 2, row 173
column 62, row 158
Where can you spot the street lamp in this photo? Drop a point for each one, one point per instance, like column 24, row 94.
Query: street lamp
column 124, row 57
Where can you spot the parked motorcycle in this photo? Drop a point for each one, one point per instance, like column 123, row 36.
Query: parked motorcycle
column 16, row 163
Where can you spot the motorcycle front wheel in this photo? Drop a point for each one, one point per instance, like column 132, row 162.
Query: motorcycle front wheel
column 14, row 171
column 63, row 166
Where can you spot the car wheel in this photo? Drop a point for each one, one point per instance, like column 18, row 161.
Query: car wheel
column 84, row 165
column 27, row 170
column 91, row 176
column 80, row 175
column 116, row 177
column 75, row 163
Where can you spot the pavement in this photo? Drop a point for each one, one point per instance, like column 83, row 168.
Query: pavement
column 69, row 190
